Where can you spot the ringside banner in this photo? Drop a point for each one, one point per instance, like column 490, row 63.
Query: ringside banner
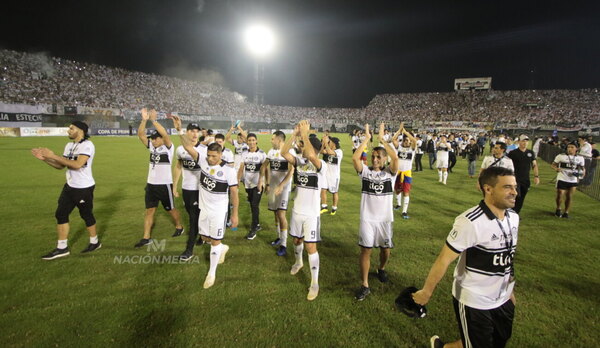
column 111, row 131
column 43, row 131
column 9, row 132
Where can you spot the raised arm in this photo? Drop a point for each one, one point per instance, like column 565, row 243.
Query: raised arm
column 142, row 127
column 309, row 151
column 228, row 135
column 285, row 149
column 397, row 134
column 160, row 129
column 243, row 133
column 390, row 151
column 358, row 164
column 413, row 140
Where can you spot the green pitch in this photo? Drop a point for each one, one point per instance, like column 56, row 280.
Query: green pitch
column 99, row 299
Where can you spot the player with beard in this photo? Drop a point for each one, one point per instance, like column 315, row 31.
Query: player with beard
column 77, row 157
column 253, row 172
column 159, row 187
column 305, row 222
column 376, row 214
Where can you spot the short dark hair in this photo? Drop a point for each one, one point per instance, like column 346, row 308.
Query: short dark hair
column 279, row 134
column 379, row 149
column 251, row 135
column 214, row 147
column 502, row 145
column 220, row 136
column 315, row 142
column 489, row 176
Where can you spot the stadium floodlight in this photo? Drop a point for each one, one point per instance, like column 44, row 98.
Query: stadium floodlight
column 260, row 40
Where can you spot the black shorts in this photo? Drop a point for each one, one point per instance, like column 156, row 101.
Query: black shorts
column 71, row 197
column 563, row 185
column 159, row 193
column 484, row 327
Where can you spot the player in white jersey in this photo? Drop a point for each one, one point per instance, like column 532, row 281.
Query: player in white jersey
column 217, row 182
column 571, row 169
column 190, row 169
column 159, row 186
column 278, row 178
column 355, row 140
column 443, row 148
column 239, row 144
column 227, row 155
column 77, row 157
column 497, row 159
column 406, row 155
column 253, row 172
column 332, row 155
column 376, row 214
column 305, row 223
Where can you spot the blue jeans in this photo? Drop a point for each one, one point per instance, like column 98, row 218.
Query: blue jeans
column 472, row 168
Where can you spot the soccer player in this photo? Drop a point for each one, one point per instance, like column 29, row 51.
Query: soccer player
column 279, row 185
column 227, row 155
column 484, row 238
column 332, row 155
column 376, row 214
column 305, row 223
column 523, row 160
column 239, row 145
column 190, row 169
column 77, row 157
column 355, row 140
column 252, row 171
column 570, row 168
column 443, row 148
column 217, row 180
column 159, row 186
column 406, row 155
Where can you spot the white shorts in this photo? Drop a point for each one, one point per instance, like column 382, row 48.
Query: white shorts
column 375, row 234
column 211, row 226
column 279, row 202
column 307, row 227
column 333, row 184
column 442, row 162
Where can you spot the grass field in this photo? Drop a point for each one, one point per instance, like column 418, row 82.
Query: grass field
column 92, row 300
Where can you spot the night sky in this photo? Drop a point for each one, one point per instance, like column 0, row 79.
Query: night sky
column 330, row 53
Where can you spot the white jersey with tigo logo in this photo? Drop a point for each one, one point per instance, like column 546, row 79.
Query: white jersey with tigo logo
column 252, row 162
column 333, row 164
column 308, row 186
column 442, row 151
column 82, row 177
column 569, row 166
column 504, row 162
column 191, row 167
column 484, row 275
column 278, row 168
column 227, row 155
column 406, row 156
column 213, row 195
column 240, row 148
column 159, row 170
column 377, row 196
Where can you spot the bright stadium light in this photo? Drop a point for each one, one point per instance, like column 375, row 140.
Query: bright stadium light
column 260, row 40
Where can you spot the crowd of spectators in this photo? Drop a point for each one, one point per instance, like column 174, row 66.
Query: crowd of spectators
column 38, row 79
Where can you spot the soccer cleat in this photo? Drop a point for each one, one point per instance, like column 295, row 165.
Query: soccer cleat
column 251, row 234
column 557, row 213
column 436, row 342
column 324, row 210
column 362, row 293
column 397, row 207
column 276, row 242
column 333, row 211
column 56, row 253
column 209, row 281
column 223, row 252
column 405, row 216
column 382, row 276
column 296, row 268
column 178, row 232
column 91, row 247
column 186, row 256
column 143, row 242
column 313, row 292
column 282, row 251
column 565, row 215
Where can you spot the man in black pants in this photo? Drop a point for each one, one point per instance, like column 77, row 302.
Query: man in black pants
column 253, row 172
column 523, row 160
column 419, row 154
column 431, row 150
column 452, row 153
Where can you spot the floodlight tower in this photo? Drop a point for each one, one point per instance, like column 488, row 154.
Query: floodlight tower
column 260, row 42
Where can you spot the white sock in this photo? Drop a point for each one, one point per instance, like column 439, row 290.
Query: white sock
column 323, row 206
column 94, row 240
column 334, row 207
column 445, row 177
column 215, row 254
column 399, row 199
column 440, row 175
column 61, row 244
column 283, row 237
column 313, row 261
column 298, row 249
column 405, row 204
